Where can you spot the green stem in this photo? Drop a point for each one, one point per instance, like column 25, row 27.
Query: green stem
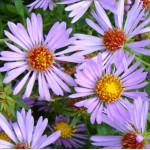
column 3, row 40
column 144, row 62
column 137, row 58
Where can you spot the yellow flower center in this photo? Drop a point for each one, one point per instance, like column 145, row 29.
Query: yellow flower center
column 113, row 39
column 66, row 130
column 3, row 136
column 129, row 141
column 109, row 88
column 40, row 58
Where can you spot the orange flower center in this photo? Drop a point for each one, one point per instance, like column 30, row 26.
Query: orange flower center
column 113, row 39
column 129, row 141
column 22, row 146
column 146, row 3
column 40, row 58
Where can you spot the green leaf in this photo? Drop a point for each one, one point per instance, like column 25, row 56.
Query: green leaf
column 7, row 88
column 1, row 81
column 12, row 8
column 22, row 104
column 148, row 117
column 11, row 108
column 19, row 7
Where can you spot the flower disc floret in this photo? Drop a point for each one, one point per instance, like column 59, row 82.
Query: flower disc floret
column 109, row 88
column 146, row 4
column 66, row 130
column 129, row 141
column 22, row 146
column 40, row 58
column 113, row 39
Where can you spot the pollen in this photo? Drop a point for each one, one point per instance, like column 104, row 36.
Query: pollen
column 3, row 136
column 129, row 141
column 40, row 58
column 109, row 88
column 66, row 130
column 113, row 39
column 22, row 146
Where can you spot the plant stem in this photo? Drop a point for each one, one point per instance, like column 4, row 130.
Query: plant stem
column 3, row 40
column 144, row 62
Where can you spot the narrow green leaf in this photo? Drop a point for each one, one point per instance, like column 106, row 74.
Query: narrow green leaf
column 12, row 8
column 19, row 7
column 22, row 104
column 1, row 81
column 11, row 108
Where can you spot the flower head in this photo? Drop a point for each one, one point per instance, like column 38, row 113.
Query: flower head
column 41, row 4
column 79, row 7
column 107, row 85
column 69, row 135
column 116, row 39
column 38, row 56
column 134, row 134
column 23, row 133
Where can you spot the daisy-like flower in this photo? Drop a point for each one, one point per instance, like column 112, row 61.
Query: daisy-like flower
column 70, row 136
column 133, row 133
column 146, row 4
column 107, row 85
column 38, row 56
column 41, row 4
column 23, row 133
column 115, row 40
column 79, row 7
column 44, row 106
column 29, row 101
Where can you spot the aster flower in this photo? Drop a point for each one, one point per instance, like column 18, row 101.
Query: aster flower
column 29, row 101
column 133, row 133
column 44, row 106
column 107, row 85
column 23, row 133
column 41, row 4
column 69, row 135
column 146, row 4
column 38, row 56
column 79, row 7
column 114, row 41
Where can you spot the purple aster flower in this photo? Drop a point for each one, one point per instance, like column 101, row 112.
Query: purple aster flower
column 146, row 4
column 70, row 136
column 115, row 40
column 29, row 101
column 41, row 4
column 79, row 7
column 45, row 106
column 24, row 134
column 134, row 134
column 106, row 85
column 38, row 55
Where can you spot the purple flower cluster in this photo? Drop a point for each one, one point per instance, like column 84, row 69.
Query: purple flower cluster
column 109, row 83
